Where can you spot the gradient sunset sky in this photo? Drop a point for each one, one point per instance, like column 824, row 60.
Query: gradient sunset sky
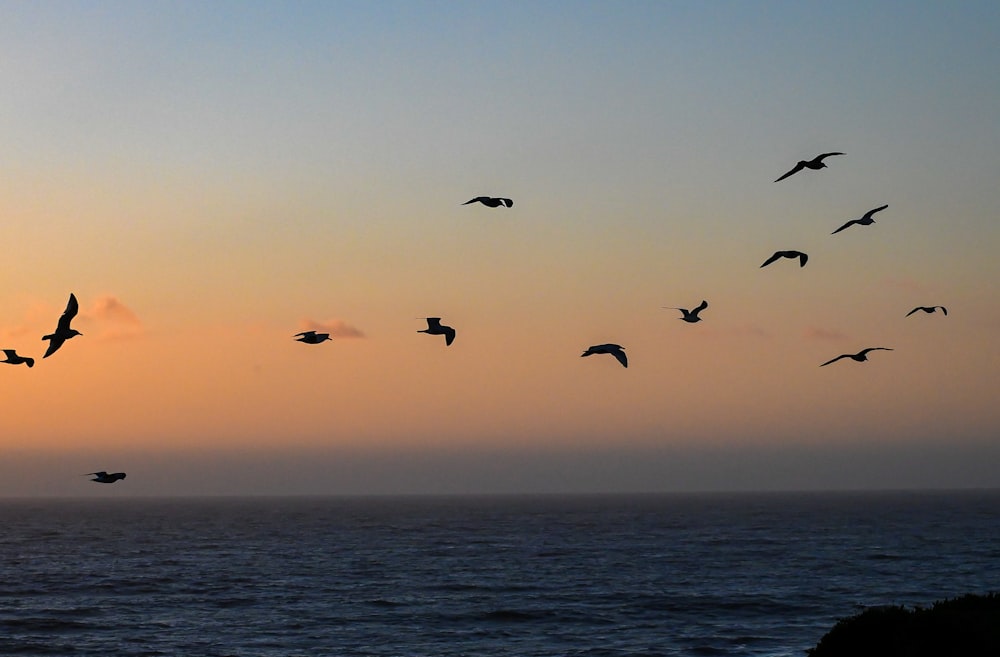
column 211, row 178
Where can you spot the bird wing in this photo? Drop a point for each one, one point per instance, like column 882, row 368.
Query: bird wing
column 798, row 167
column 449, row 335
column 620, row 355
column 852, row 221
column 433, row 322
column 834, row 360
column 819, row 158
column 473, row 200
column 776, row 255
column 54, row 344
column 701, row 307
column 305, row 334
column 914, row 310
column 803, row 258
column 509, row 203
column 11, row 353
column 943, row 309
column 879, row 209
column 72, row 308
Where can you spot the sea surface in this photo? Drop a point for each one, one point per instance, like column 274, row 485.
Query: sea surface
column 603, row 576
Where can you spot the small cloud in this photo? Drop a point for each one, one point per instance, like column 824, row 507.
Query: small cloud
column 817, row 333
column 109, row 308
column 115, row 318
column 37, row 319
column 736, row 331
column 337, row 328
column 907, row 285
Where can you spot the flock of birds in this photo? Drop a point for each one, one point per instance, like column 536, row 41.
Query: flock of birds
column 64, row 331
column 692, row 315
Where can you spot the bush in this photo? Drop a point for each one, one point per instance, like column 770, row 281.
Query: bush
column 968, row 626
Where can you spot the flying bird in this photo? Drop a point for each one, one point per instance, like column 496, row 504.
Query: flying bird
column 615, row 350
column 63, row 332
column 103, row 477
column 14, row 359
column 866, row 220
column 787, row 254
column 491, row 202
column 312, row 337
column 861, row 356
column 690, row 315
column 816, row 164
column 434, row 327
column 926, row 309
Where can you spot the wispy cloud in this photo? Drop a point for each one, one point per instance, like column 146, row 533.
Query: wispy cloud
column 337, row 328
column 113, row 318
column 735, row 331
column 907, row 285
column 818, row 333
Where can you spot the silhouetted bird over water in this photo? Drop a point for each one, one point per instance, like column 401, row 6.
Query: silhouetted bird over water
column 690, row 315
column 615, row 350
column 63, row 332
column 787, row 254
column 14, row 359
column 491, row 202
column 866, row 220
column 103, row 477
column 861, row 356
column 815, row 164
column 434, row 327
column 312, row 337
column 926, row 309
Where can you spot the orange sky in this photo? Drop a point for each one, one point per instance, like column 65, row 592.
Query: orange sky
column 208, row 194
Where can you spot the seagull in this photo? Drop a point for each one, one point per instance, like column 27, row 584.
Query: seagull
column 861, row 356
column 14, row 359
column 926, row 309
column 864, row 221
column 615, row 350
column 690, row 315
column 787, row 254
column 312, row 337
column 816, row 164
column 103, row 477
column 434, row 327
column 63, row 332
column 491, row 202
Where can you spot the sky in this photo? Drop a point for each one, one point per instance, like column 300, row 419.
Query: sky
column 210, row 179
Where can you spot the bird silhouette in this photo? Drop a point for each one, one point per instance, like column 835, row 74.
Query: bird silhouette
column 787, row 254
column 103, row 477
column 491, row 201
column 615, row 350
column 690, row 315
column 861, row 356
column 866, row 220
column 14, row 359
column 312, row 337
column 63, row 332
column 926, row 309
column 816, row 164
column 434, row 327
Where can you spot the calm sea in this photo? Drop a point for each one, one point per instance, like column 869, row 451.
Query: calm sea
column 615, row 576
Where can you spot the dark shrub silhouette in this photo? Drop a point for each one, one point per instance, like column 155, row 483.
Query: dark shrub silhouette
column 968, row 626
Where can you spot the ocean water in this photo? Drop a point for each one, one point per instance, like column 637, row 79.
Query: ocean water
column 608, row 576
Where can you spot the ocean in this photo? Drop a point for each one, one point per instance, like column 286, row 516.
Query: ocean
column 689, row 575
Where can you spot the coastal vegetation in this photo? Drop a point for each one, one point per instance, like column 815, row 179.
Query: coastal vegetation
column 968, row 626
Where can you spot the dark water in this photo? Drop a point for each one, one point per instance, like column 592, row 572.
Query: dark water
column 694, row 575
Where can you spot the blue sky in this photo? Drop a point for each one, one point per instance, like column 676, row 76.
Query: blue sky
column 210, row 178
